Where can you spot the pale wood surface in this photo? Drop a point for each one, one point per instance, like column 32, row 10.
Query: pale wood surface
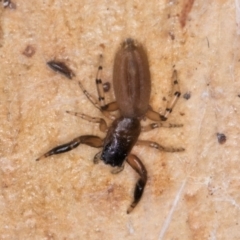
column 190, row 195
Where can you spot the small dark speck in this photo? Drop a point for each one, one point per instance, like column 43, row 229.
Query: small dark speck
column 187, row 95
column 110, row 189
column 238, row 95
column 29, row 51
column 102, row 45
column 221, row 138
column 171, row 35
column 106, row 86
column 164, row 99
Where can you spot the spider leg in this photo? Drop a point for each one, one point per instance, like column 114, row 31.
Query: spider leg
column 176, row 94
column 102, row 123
column 96, row 103
column 89, row 140
column 104, row 108
column 158, row 125
column 137, row 165
column 158, row 146
column 89, row 96
column 62, row 68
column 100, row 104
column 101, row 95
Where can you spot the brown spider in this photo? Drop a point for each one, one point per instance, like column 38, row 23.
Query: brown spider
column 132, row 87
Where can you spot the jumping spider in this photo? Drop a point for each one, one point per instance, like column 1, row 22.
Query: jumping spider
column 132, row 87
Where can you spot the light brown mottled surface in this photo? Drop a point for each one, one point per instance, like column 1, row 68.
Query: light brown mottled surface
column 191, row 195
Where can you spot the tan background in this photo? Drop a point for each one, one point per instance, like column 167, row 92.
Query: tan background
column 190, row 195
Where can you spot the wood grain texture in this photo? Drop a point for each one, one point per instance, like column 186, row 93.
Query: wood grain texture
column 191, row 195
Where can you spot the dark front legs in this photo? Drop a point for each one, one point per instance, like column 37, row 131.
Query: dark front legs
column 137, row 165
column 89, row 140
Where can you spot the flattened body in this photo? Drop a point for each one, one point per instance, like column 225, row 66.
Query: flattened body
column 131, row 79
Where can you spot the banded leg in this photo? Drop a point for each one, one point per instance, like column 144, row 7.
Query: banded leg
column 101, row 95
column 99, row 85
column 89, row 96
column 89, row 140
column 158, row 146
column 102, row 123
column 107, row 107
column 62, row 68
column 176, row 94
column 100, row 104
column 137, row 165
column 158, row 125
